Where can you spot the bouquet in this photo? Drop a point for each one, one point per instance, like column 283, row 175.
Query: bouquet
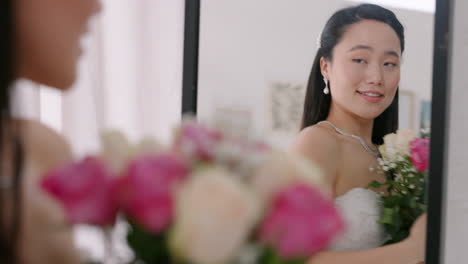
column 206, row 199
column 405, row 162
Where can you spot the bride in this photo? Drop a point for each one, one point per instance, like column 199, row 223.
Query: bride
column 39, row 42
column 351, row 103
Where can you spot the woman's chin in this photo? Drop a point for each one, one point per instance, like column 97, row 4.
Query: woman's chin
column 61, row 81
column 370, row 114
column 62, row 84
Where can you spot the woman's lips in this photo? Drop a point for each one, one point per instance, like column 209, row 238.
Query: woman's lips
column 371, row 96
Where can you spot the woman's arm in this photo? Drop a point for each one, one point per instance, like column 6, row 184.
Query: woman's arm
column 399, row 253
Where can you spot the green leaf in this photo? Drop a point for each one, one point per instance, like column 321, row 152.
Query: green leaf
column 375, row 185
column 397, row 221
column 269, row 256
column 148, row 248
column 387, row 216
column 392, row 201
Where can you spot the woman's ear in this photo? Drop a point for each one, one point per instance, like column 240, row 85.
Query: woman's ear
column 324, row 67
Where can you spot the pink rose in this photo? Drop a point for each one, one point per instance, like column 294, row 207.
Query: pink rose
column 85, row 190
column 197, row 141
column 420, row 153
column 300, row 222
column 146, row 190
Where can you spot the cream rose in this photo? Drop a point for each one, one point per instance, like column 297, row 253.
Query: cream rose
column 214, row 215
column 397, row 144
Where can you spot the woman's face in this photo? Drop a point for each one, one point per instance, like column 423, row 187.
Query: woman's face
column 364, row 71
column 48, row 36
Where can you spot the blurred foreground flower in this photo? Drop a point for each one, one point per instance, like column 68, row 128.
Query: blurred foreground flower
column 146, row 191
column 215, row 214
column 84, row 189
column 207, row 199
column 301, row 222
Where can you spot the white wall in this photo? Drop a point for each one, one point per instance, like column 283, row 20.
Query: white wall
column 456, row 204
column 245, row 45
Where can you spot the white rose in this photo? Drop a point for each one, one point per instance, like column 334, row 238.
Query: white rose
column 281, row 169
column 396, row 145
column 214, row 216
column 403, row 139
column 389, row 150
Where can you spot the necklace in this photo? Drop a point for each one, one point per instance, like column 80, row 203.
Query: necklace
column 374, row 153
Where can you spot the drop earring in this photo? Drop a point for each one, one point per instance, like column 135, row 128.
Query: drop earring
column 326, row 90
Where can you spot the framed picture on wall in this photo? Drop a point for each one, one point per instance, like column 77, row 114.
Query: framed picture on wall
column 285, row 106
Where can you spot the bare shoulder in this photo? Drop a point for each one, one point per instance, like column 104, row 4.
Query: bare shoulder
column 321, row 145
column 43, row 217
column 43, row 145
column 317, row 140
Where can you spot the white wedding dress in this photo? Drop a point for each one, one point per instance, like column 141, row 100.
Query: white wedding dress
column 360, row 209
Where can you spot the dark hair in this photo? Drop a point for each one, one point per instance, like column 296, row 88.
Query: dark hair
column 317, row 104
column 10, row 175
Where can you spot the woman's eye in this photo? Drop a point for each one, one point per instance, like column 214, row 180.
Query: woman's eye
column 359, row 60
column 390, row 64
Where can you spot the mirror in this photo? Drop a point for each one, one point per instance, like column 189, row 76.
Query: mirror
column 246, row 65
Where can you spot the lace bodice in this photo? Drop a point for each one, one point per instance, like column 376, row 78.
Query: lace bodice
column 360, row 209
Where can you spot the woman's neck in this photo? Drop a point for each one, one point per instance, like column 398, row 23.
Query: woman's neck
column 351, row 123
